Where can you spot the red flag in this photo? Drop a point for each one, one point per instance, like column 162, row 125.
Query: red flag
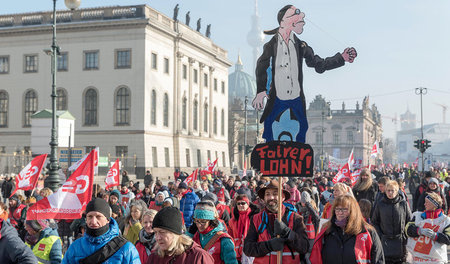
column 244, row 171
column 28, row 176
column 192, row 177
column 210, row 166
column 355, row 176
column 343, row 173
column 112, row 179
column 374, row 151
column 71, row 198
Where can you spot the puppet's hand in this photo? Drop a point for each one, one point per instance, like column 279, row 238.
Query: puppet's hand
column 258, row 101
column 349, row 54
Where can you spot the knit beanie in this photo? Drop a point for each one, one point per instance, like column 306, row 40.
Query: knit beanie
column 209, row 196
column 218, row 182
column 99, row 205
column 37, row 225
column 169, row 218
column 205, row 210
column 115, row 193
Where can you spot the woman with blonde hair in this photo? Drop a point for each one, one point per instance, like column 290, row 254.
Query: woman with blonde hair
column 339, row 189
column 146, row 240
column 347, row 237
column 365, row 187
column 171, row 245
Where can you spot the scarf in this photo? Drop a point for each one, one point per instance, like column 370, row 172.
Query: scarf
column 148, row 240
column 207, row 230
column 97, row 232
column 243, row 222
column 432, row 214
column 341, row 223
column 123, row 193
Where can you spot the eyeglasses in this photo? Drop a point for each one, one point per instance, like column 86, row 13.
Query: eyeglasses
column 341, row 210
column 201, row 221
column 241, row 203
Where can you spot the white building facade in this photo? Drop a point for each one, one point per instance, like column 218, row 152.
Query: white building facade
column 138, row 83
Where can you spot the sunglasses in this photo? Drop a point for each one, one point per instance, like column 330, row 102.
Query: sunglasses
column 241, row 203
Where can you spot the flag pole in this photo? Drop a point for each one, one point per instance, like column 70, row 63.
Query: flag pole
column 280, row 203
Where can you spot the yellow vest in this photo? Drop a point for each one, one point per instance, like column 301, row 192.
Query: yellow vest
column 43, row 247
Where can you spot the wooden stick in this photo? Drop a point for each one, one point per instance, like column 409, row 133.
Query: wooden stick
column 280, row 203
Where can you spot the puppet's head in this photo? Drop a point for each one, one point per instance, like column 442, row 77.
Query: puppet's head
column 290, row 19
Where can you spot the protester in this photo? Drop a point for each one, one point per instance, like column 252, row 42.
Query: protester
column 3, row 211
column 365, row 187
column 101, row 229
column 44, row 241
column 171, row 245
column 261, row 241
column 7, row 188
column 222, row 194
column 421, row 189
column 339, row 189
column 146, row 236
column 308, row 210
column 295, row 193
column 114, row 199
column 159, row 200
column 346, row 238
column 222, row 210
column 429, row 230
column 389, row 218
column 433, row 186
column 126, row 197
column 188, row 200
column 125, row 177
column 239, row 224
column 116, row 214
column 12, row 248
column 133, row 221
column 148, row 178
column 366, row 209
column 211, row 236
column 17, row 214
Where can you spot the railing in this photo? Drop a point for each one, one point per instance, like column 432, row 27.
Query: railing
column 13, row 163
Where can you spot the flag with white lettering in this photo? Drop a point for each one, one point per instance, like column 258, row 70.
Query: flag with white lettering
column 28, row 176
column 112, row 178
column 192, row 177
column 71, row 198
column 375, row 150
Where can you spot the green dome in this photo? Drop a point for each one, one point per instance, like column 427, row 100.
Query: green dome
column 241, row 84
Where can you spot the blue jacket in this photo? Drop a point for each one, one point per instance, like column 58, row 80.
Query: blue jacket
column 187, row 207
column 87, row 245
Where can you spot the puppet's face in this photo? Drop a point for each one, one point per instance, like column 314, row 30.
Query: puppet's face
column 293, row 20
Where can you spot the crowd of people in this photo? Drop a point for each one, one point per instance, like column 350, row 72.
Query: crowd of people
column 232, row 219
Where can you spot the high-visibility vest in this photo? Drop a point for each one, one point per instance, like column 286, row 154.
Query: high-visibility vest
column 43, row 247
column 310, row 231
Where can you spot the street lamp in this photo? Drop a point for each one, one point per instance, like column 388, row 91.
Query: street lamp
column 328, row 116
column 421, row 91
column 52, row 180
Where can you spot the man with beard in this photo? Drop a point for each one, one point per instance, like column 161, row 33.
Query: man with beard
column 262, row 242
column 365, row 187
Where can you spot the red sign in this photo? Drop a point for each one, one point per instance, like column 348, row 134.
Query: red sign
column 283, row 158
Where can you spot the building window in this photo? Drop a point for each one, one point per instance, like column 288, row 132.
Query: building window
column 88, row 149
column 215, row 121
column 91, row 60
column 123, row 105
column 205, row 79
column 121, row 151
column 184, row 72
column 184, row 113
column 155, row 157
column 3, row 109
column 31, row 106
column 215, row 84
column 195, row 115
column 4, row 64
column 154, row 61
column 223, row 87
column 319, row 137
column 31, row 63
column 208, row 153
column 223, row 159
column 2, row 149
column 166, row 65
column 222, row 123
column 205, row 118
column 61, row 99
column 166, row 110
column 167, row 157
column 123, row 59
column 90, row 107
column 188, row 158
column 336, row 137
column 63, row 61
column 350, row 138
column 199, row 158
column 153, row 108
column 195, row 73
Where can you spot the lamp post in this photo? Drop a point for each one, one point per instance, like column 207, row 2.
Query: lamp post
column 328, row 116
column 52, row 180
column 421, row 91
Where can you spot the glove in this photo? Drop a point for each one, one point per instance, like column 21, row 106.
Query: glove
column 306, row 198
column 276, row 244
column 428, row 233
column 280, row 228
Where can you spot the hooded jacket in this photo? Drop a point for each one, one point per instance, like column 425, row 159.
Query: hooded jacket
column 12, row 248
column 87, row 245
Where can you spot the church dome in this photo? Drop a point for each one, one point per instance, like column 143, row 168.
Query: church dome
column 240, row 83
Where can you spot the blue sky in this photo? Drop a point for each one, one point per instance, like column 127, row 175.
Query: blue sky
column 401, row 45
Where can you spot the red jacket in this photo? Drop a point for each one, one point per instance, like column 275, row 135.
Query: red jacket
column 214, row 249
column 15, row 215
column 142, row 252
column 195, row 254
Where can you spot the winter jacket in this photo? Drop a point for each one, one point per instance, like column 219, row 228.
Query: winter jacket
column 306, row 212
column 12, row 248
column 389, row 219
column 234, row 232
column 7, row 188
column 195, row 254
column 339, row 248
column 226, row 254
column 187, row 207
column 133, row 232
column 419, row 190
column 421, row 201
column 145, row 245
column 368, row 194
column 87, row 245
column 55, row 254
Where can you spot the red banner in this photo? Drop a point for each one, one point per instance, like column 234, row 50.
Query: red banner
column 112, row 179
column 71, row 198
column 192, row 177
column 28, row 177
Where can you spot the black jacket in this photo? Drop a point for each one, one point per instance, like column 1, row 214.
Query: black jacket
column 368, row 194
column 307, row 211
column 7, row 188
column 389, row 219
column 12, row 248
column 419, row 190
column 339, row 248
